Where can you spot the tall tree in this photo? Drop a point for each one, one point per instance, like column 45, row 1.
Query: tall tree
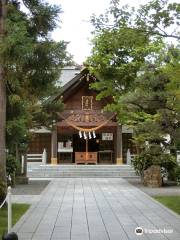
column 138, row 68
column 3, row 183
column 32, row 62
column 127, row 41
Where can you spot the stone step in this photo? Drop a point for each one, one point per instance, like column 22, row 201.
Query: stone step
column 91, row 168
column 59, row 171
column 80, row 170
column 87, row 172
column 80, row 166
column 55, row 171
column 57, row 175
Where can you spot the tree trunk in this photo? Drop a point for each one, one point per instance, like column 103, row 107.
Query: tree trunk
column 3, row 181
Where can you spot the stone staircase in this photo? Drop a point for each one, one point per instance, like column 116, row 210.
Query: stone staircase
column 35, row 170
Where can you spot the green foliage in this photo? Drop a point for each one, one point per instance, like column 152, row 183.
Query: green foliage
column 153, row 19
column 11, row 167
column 17, row 209
column 32, row 63
column 140, row 164
column 116, row 60
column 177, row 174
column 11, row 164
column 172, row 202
column 140, row 71
column 153, row 155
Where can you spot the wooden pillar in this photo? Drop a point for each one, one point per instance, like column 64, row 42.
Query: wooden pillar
column 54, row 146
column 86, row 149
column 119, row 159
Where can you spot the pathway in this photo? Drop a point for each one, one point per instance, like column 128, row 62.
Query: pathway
column 96, row 209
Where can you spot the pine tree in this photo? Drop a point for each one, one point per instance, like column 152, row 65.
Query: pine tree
column 32, row 63
column 3, row 183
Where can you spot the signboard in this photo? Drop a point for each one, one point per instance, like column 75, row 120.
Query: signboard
column 65, row 146
column 107, row 136
column 87, row 102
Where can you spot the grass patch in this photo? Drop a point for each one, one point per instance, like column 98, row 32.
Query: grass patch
column 17, row 211
column 172, row 202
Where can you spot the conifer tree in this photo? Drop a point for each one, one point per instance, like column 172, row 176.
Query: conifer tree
column 136, row 65
column 31, row 63
column 3, row 183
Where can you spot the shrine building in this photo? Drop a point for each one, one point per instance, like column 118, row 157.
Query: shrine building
column 85, row 133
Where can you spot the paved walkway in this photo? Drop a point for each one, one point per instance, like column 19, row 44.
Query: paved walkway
column 96, row 209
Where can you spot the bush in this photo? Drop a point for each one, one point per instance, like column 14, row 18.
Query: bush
column 11, row 166
column 140, row 163
column 154, row 156
column 177, row 174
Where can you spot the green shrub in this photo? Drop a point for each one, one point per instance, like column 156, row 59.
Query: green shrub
column 140, row 163
column 177, row 174
column 154, row 156
column 11, row 166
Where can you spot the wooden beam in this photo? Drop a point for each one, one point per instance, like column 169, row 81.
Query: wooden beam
column 86, row 149
column 119, row 159
column 54, row 146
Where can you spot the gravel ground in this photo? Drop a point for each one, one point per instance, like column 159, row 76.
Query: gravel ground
column 35, row 187
column 168, row 189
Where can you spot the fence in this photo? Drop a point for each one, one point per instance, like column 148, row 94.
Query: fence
column 129, row 157
column 9, row 202
column 33, row 157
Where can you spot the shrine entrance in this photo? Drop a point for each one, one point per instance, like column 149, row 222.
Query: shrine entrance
column 84, row 132
column 75, row 149
column 85, row 150
column 79, row 144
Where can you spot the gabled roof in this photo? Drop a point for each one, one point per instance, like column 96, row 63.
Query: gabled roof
column 74, row 82
column 68, row 73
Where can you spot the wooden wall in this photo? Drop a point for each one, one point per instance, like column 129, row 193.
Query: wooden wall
column 40, row 141
column 74, row 100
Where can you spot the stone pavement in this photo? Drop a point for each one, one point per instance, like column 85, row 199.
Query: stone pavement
column 96, row 209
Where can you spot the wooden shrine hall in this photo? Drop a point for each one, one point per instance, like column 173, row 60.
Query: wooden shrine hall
column 84, row 134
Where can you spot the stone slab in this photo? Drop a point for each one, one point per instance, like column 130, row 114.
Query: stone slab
column 96, row 209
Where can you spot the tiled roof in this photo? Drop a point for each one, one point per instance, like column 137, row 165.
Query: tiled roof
column 71, row 77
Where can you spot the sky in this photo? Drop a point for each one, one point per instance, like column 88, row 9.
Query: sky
column 75, row 26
